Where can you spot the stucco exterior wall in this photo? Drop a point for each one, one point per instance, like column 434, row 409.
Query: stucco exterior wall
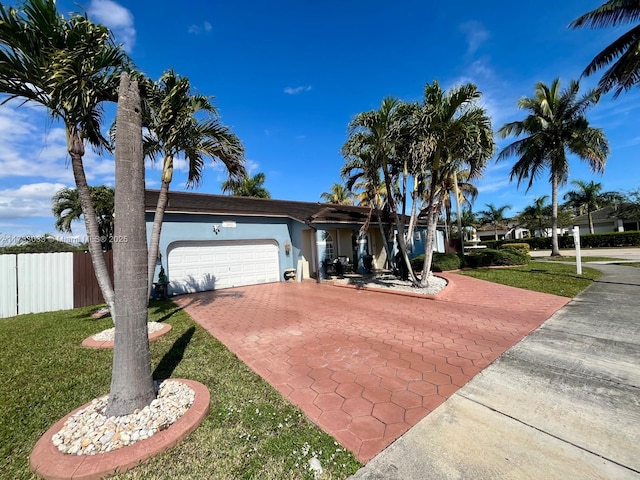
column 182, row 227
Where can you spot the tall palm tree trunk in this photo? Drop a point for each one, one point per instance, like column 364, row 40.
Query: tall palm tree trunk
column 154, row 245
column 432, row 223
column 457, row 193
column 76, row 151
column 394, row 212
column 131, row 378
column 555, row 249
column 383, row 235
column 414, row 212
column 592, row 229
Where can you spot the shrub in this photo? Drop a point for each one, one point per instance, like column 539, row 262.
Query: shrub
column 521, row 247
column 441, row 262
column 491, row 257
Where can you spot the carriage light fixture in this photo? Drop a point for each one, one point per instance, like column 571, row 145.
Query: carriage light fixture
column 287, row 248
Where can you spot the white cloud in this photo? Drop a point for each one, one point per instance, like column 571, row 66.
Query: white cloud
column 476, row 35
column 297, row 90
column 30, row 200
column 198, row 29
column 117, row 18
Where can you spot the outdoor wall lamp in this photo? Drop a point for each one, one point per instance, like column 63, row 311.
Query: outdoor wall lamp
column 287, row 248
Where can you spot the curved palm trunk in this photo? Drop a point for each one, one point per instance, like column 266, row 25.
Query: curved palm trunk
column 394, row 212
column 555, row 250
column 154, row 245
column 131, row 378
column 76, row 151
column 592, row 230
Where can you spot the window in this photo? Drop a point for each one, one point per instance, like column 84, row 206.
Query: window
column 328, row 248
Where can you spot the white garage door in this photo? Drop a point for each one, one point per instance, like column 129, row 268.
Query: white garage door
column 202, row 266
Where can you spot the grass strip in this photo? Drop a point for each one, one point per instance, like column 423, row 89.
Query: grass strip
column 546, row 277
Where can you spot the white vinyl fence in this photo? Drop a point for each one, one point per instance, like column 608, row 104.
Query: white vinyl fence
column 35, row 282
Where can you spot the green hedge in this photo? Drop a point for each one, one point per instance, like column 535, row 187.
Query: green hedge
column 441, row 262
column 521, row 247
column 609, row 239
column 490, row 257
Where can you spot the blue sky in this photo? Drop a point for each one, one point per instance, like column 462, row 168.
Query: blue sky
column 289, row 76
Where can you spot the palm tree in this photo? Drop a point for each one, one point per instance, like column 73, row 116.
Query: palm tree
column 450, row 130
column 556, row 125
column 466, row 220
column 622, row 54
column 66, row 208
column 338, row 194
column 589, row 197
column 71, row 67
column 247, row 186
column 373, row 137
column 176, row 127
column 494, row 216
column 361, row 173
column 455, row 185
column 535, row 214
column 131, row 378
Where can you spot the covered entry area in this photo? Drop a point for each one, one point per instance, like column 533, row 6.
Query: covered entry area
column 197, row 266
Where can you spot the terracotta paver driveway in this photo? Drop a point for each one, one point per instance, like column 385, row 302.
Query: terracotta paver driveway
column 366, row 366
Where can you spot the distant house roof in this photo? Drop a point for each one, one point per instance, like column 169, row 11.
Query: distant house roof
column 305, row 212
column 624, row 211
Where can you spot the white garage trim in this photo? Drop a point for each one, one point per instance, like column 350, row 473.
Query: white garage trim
column 197, row 266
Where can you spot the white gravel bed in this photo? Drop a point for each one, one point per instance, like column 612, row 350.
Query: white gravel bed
column 90, row 432
column 108, row 334
column 388, row 281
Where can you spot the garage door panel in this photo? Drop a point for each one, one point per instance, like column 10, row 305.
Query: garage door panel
column 200, row 266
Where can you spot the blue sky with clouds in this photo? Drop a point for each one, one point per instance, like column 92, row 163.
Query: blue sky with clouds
column 289, row 76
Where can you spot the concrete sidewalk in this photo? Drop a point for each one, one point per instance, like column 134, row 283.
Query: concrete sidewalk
column 562, row 404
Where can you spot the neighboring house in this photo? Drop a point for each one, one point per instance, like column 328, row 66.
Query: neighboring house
column 607, row 219
column 507, row 232
column 218, row 241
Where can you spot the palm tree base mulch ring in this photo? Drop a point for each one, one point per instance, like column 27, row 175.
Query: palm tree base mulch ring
column 48, row 462
column 90, row 342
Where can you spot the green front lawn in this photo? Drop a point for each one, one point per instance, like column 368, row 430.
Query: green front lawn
column 546, row 277
column 251, row 430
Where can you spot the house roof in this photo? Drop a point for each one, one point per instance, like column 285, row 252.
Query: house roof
column 607, row 214
column 305, row 212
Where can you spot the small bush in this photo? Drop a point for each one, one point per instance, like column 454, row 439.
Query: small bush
column 521, row 247
column 491, row 257
column 441, row 262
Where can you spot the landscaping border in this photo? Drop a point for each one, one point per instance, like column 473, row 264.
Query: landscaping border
column 89, row 342
column 48, row 462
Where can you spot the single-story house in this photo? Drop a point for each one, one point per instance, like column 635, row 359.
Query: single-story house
column 607, row 219
column 509, row 231
column 218, row 241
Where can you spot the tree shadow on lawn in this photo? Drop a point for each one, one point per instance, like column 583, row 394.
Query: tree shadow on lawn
column 174, row 356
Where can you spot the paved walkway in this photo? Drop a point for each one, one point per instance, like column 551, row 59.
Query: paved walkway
column 365, row 366
column 562, row 404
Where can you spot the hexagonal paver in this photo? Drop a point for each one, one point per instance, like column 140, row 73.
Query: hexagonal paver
column 422, row 388
column 368, row 380
column 376, row 394
column 367, row 428
column 324, row 385
column 357, row 407
column 388, row 412
column 406, row 399
column 334, row 420
column 328, row 401
column 349, row 390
